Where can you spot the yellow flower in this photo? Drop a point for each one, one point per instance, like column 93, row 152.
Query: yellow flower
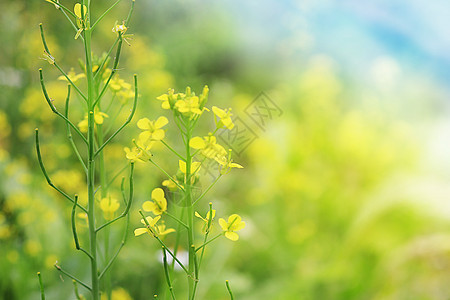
column 152, row 129
column 170, row 184
column 158, row 205
column 195, row 167
column 116, row 83
column 151, row 223
column 169, row 99
column 109, row 206
column 208, row 219
column 72, row 76
column 98, row 119
column 234, row 223
column 227, row 164
column 77, row 10
column 81, row 15
column 225, row 117
column 189, row 106
column 136, row 154
column 152, row 229
column 209, row 147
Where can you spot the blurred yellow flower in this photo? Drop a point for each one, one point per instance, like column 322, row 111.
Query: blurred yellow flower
column 208, row 146
column 118, row 294
column 109, row 206
column 152, row 129
column 99, row 117
column 208, row 219
column 227, row 164
column 136, row 154
column 158, row 205
column 72, row 76
column 224, row 116
column 189, row 106
column 152, row 229
column 234, row 223
column 170, row 184
column 195, row 167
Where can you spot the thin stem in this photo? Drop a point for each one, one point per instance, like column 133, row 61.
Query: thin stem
column 115, row 176
column 175, row 152
column 69, row 134
column 133, row 110
column 72, row 277
column 106, row 58
column 105, row 13
column 229, row 289
column 207, row 190
column 176, row 219
column 204, row 244
column 70, row 81
column 41, row 285
column 52, row 107
column 75, row 290
column 167, row 174
column 74, row 228
column 166, row 272
column 130, row 201
column 162, row 243
column 41, row 164
column 63, row 7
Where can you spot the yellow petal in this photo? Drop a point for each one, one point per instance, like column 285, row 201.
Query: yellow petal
column 148, row 206
column 218, row 112
column 165, row 105
column 161, row 122
column 223, row 224
column 182, row 166
column 234, row 219
column 158, row 194
column 77, row 10
column 239, row 226
column 232, row 236
column 235, row 165
column 144, row 124
column 158, row 134
column 197, row 143
column 140, row 231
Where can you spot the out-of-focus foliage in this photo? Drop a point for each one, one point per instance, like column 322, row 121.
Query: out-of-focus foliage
column 344, row 195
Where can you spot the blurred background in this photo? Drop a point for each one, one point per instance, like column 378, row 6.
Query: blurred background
column 344, row 117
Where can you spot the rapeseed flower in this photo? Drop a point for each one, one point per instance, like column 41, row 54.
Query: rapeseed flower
column 72, row 76
column 152, row 228
column 99, row 117
column 234, row 223
column 158, row 205
column 109, row 206
column 224, row 116
column 208, row 146
column 152, row 129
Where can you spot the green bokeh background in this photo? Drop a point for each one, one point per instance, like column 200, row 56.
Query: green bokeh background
column 344, row 189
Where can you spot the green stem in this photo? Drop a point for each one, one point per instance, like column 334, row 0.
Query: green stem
column 50, row 183
column 229, row 290
column 190, row 214
column 69, row 133
column 72, row 277
column 167, row 174
column 91, row 164
column 166, row 272
column 104, row 14
column 207, row 190
column 41, row 285
column 200, row 247
column 173, row 150
column 176, row 219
